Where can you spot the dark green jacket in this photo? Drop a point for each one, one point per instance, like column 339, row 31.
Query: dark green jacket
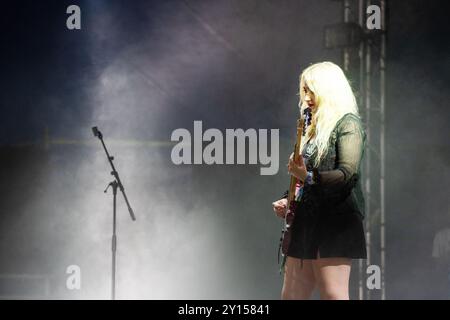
column 338, row 189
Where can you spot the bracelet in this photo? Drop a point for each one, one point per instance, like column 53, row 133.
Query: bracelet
column 309, row 178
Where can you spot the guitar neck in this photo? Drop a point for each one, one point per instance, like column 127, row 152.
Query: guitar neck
column 294, row 180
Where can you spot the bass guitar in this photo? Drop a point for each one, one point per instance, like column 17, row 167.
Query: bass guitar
column 286, row 233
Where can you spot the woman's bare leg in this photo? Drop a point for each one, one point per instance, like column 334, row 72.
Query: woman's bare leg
column 332, row 277
column 299, row 282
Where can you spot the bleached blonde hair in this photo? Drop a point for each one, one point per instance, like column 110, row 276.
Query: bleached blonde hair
column 334, row 98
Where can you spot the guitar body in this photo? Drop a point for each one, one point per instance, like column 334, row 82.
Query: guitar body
column 287, row 231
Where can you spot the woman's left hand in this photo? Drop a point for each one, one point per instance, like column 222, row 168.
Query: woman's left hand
column 297, row 169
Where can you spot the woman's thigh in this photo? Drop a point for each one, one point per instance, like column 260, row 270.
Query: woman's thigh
column 332, row 277
column 299, row 282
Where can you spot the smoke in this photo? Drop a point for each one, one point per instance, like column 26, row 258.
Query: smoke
column 138, row 72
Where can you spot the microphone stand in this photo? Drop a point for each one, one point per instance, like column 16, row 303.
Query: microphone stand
column 116, row 183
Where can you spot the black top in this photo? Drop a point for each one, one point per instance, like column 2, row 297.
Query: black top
column 338, row 188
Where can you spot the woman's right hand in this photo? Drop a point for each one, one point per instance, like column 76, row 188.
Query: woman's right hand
column 280, row 207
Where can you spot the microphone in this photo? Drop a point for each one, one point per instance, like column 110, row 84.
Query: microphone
column 96, row 132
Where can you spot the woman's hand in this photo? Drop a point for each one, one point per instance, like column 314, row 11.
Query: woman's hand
column 297, row 169
column 280, row 207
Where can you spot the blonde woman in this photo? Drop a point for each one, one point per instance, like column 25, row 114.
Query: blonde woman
column 327, row 232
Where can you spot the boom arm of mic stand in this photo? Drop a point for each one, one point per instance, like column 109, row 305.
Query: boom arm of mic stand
column 114, row 172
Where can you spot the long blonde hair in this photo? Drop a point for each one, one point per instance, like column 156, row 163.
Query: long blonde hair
column 334, row 98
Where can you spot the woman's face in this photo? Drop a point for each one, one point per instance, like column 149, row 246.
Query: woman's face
column 309, row 98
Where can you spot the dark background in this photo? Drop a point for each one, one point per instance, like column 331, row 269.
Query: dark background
column 141, row 69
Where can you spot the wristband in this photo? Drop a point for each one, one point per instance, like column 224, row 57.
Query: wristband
column 310, row 178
